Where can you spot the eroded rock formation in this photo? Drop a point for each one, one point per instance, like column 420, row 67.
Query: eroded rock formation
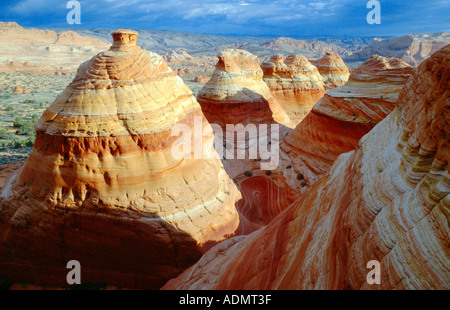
column 236, row 92
column 236, row 95
column 345, row 114
column 295, row 83
column 334, row 126
column 388, row 200
column 102, row 186
column 333, row 70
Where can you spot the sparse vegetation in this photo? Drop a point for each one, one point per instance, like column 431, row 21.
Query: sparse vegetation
column 19, row 113
column 300, row 176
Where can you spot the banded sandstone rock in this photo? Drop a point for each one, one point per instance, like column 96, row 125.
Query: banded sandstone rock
column 295, row 83
column 101, row 185
column 334, row 126
column 345, row 114
column 333, row 70
column 236, row 92
column 386, row 201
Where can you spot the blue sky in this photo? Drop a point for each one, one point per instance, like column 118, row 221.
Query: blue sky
column 295, row 18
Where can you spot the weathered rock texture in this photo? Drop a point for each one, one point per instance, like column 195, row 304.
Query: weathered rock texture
column 388, row 200
column 101, row 185
column 236, row 92
column 295, row 83
column 333, row 70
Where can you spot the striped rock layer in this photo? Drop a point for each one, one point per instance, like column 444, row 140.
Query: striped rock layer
column 236, row 92
column 334, row 126
column 333, row 70
column 387, row 201
column 345, row 114
column 295, row 83
column 101, row 185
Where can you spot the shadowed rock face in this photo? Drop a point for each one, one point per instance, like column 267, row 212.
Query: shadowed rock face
column 295, row 83
column 101, row 184
column 388, row 201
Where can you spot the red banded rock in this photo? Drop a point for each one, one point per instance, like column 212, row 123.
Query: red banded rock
column 236, row 95
column 386, row 201
column 334, row 126
column 370, row 93
column 102, row 186
column 345, row 114
column 295, row 83
column 333, row 70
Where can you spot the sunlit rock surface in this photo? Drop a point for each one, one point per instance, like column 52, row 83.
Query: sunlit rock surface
column 236, row 92
column 333, row 70
column 295, row 83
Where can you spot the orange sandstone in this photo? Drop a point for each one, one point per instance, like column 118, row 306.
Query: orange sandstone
column 388, row 201
column 101, row 185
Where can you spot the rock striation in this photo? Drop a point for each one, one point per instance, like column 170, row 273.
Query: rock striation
column 333, row 70
column 295, row 83
column 388, row 201
column 102, row 186
column 345, row 114
column 334, row 126
column 236, row 92
column 236, row 95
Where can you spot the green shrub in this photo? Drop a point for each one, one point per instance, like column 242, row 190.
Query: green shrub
column 3, row 133
column 248, row 173
column 18, row 122
column 300, row 176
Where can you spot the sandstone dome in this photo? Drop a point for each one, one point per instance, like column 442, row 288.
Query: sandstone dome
column 101, row 184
